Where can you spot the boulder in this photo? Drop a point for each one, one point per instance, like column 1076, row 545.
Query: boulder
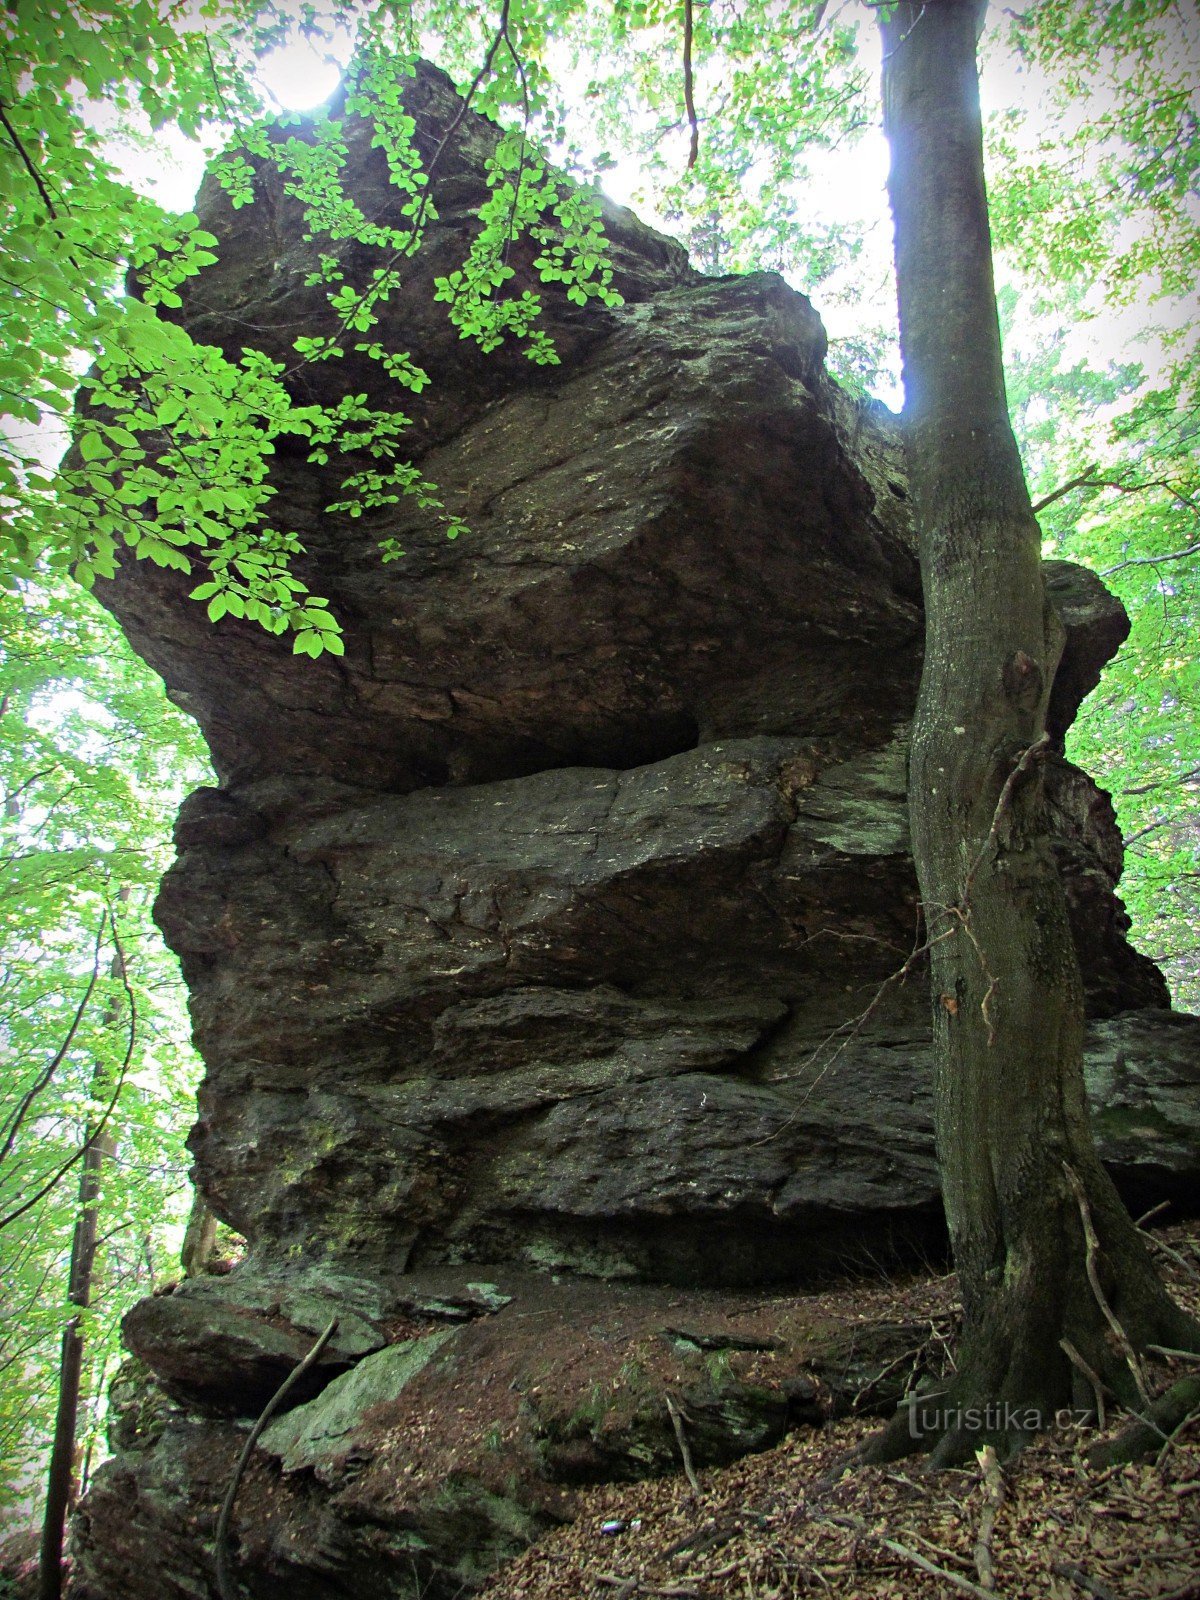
column 441, row 1454
column 612, row 1021
column 544, row 949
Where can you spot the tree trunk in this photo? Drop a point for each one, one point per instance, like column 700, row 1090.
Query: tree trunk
column 1019, row 1169
column 60, row 1481
column 199, row 1239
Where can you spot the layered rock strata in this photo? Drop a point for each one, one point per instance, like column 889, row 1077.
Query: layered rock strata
column 554, row 928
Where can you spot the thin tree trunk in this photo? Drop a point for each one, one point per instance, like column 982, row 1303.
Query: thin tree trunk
column 1013, row 1135
column 60, row 1483
column 199, row 1238
column 96, row 1388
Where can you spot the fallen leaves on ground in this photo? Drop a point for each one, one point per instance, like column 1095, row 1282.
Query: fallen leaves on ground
column 796, row 1521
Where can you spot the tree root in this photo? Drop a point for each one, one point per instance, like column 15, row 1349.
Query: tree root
column 1145, row 1433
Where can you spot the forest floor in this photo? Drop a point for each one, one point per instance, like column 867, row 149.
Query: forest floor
column 791, row 1523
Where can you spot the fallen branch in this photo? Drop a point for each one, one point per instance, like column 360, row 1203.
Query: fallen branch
column 630, row 1586
column 695, row 1544
column 1164, row 1249
column 225, row 1584
column 624, row 1586
column 1098, row 1387
column 993, row 1488
column 1077, row 1576
column 932, row 1567
column 1173, row 1354
column 1147, row 1433
column 684, row 1448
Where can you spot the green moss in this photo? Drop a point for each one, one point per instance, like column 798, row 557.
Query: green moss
column 1134, row 1122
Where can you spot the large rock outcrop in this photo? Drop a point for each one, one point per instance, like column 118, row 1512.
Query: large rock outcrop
column 550, row 929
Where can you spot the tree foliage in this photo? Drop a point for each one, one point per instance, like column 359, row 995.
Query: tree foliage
column 1112, row 435
column 93, row 760
column 171, row 448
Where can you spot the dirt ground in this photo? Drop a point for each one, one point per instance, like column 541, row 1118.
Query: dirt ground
column 790, row 1523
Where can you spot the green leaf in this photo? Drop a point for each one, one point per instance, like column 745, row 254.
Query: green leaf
column 92, row 447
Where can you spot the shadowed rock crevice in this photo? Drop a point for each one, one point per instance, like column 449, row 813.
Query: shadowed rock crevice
column 542, row 950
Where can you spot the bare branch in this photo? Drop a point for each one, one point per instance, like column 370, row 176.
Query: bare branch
column 96, row 1132
column 44, row 1077
column 1151, row 827
column 1092, row 1252
column 1035, row 752
column 1159, row 783
column 1153, row 561
column 685, row 1452
column 689, row 102
column 1081, row 480
column 1087, row 480
column 225, row 1584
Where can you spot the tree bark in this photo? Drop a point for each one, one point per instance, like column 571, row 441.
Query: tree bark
column 199, row 1238
column 1019, row 1169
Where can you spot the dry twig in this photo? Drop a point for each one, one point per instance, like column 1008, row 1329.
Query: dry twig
column 1098, row 1387
column 956, row 1578
column 1076, row 1575
column 225, row 1583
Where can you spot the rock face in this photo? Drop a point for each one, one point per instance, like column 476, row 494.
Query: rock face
column 551, row 928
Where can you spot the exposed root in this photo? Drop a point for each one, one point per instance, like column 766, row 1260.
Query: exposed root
column 1146, row 1434
column 1092, row 1244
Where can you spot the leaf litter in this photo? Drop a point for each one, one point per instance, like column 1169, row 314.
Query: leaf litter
column 797, row 1521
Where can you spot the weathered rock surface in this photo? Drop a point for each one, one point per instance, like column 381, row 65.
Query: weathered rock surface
column 590, row 1018
column 550, row 929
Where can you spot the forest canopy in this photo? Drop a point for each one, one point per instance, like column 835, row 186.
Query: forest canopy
column 739, row 143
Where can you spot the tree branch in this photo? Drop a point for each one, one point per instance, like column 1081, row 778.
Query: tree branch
column 225, row 1584
column 689, row 102
column 1087, row 480
column 1159, row 783
column 1152, row 561
column 27, row 162
column 98, row 1130
column 1151, row 827
column 56, row 1060
column 1078, row 482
